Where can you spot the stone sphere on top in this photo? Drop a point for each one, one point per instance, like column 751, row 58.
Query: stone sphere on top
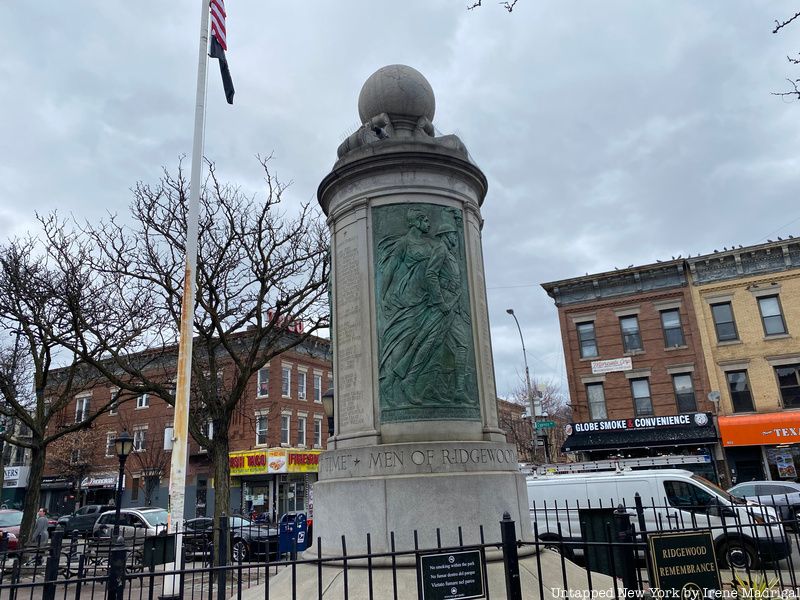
column 396, row 90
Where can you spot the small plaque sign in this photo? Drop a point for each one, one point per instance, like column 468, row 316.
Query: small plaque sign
column 685, row 564
column 451, row 575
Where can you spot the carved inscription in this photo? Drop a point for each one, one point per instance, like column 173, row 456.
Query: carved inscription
column 385, row 462
column 349, row 331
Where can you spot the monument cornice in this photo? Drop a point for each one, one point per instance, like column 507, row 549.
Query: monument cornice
column 399, row 156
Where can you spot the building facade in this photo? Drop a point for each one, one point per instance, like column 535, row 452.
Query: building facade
column 747, row 303
column 636, row 369
column 276, row 433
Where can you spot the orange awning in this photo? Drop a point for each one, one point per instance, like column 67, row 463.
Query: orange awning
column 760, row 430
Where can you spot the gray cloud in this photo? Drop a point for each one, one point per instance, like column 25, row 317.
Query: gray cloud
column 611, row 133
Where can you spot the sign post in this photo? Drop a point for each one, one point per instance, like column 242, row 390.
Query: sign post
column 451, row 575
column 685, row 564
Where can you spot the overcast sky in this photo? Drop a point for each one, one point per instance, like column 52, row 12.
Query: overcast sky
column 612, row 133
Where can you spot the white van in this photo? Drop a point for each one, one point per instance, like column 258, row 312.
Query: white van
column 672, row 499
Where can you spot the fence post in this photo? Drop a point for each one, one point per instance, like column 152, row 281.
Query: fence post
column 626, row 550
column 222, row 554
column 508, row 536
column 116, row 569
column 51, row 568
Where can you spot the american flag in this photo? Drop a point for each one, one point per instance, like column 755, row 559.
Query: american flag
column 218, row 22
column 219, row 44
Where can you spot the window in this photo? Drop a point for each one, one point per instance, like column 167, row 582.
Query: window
column 263, row 382
column 673, row 332
column 739, row 387
column 587, row 339
column 135, row 482
column 642, row 403
column 318, row 388
column 631, row 340
column 771, row 315
column 143, row 401
column 75, row 456
column 110, row 450
column 723, row 322
column 286, row 381
column 286, row 423
column 82, row 408
column 687, row 496
column 139, row 440
column 597, row 401
column 301, row 431
column 301, row 385
column 789, row 384
column 684, row 393
column 261, row 429
column 317, row 433
column 114, row 406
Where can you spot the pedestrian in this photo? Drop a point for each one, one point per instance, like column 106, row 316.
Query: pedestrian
column 40, row 535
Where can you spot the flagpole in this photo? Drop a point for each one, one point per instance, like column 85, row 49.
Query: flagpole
column 180, row 446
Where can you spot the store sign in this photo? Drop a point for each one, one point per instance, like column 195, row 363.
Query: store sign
column 248, row 463
column 16, row 477
column 303, row 461
column 273, row 461
column 637, row 423
column 612, row 366
column 684, row 564
column 101, row 480
column 276, row 461
column 760, row 430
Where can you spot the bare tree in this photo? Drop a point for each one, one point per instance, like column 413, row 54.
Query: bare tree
column 556, row 408
column 75, row 455
column 36, row 333
column 259, row 273
column 795, row 91
column 148, row 466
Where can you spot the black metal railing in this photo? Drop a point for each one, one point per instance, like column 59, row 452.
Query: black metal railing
column 608, row 541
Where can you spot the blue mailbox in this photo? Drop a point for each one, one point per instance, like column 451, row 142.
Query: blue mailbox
column 292, row 529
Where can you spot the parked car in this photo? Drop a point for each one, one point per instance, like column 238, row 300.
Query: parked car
column 135, row 524
column 247, row 539
column 83, row 519
column 744, row 534
column 10, row 521
column 784, row 496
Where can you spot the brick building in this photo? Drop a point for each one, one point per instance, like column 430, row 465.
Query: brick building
column 276, row 434
column 748, row 308
column 636, row 369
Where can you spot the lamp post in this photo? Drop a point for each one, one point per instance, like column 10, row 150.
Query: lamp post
column 532, row 393
column 327, row 406
column 123, row 445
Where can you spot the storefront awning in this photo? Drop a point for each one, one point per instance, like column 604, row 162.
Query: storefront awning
column 760, row 430
column 643, row 432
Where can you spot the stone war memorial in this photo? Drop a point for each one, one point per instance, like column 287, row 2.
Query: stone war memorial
column 417, row 446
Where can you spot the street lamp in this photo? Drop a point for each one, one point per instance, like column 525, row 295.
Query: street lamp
column 123, row 445
column 532, row 394
column 327, row 406
column 525, row 358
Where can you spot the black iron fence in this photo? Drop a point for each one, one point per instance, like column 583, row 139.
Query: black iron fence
column 755, row 550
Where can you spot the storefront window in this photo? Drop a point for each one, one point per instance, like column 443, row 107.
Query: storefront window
column 739, row 387
column 783, row 462
column 789, row 383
